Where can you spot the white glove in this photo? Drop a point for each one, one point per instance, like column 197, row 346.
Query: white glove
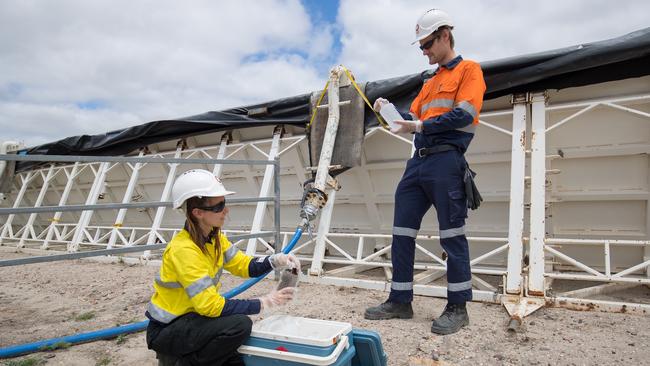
column 277, row 298
column 407, row 126
column 281, row 261
column 378, row 103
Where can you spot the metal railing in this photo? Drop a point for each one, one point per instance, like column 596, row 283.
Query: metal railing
column 111, row 206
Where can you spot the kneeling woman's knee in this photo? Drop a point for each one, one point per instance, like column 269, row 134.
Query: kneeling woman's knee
column 244, row 324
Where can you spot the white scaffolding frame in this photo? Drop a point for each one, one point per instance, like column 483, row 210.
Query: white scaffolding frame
column 525, row 285
column 545, row 248
column 81, row 233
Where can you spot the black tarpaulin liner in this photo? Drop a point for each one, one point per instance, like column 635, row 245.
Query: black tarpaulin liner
column 615, row 59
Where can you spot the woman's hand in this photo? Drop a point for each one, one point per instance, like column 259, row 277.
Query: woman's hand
column 281, row 261
column 277, row 298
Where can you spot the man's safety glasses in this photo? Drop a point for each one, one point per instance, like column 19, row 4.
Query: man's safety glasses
column 216, row 208
column 428, row 43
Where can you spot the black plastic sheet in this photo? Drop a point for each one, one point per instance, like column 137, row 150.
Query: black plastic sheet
column 615, row 59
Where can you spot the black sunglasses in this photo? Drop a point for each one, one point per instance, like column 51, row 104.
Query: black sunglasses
column 216, row 208
column 428, row 43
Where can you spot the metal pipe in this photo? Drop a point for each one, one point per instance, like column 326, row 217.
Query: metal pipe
column 110, row 251
column 330, row 132
column 125, row 159
column 276, row 205
column 114, row 206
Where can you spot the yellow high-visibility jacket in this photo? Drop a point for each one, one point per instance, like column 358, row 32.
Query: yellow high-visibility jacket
column 188, row 280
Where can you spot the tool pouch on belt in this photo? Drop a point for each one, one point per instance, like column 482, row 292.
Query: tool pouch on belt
column 474, row 198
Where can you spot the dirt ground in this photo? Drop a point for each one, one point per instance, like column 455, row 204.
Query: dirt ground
column 41, row 301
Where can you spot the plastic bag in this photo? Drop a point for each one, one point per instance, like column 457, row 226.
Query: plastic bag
column 288, row 278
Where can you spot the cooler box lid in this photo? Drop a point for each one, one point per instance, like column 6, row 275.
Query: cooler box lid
column 313, row 332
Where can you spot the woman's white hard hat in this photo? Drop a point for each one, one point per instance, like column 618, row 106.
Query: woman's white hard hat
column 197, row 183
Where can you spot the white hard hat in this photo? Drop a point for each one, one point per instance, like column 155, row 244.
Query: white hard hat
column 197, row 183
column 429, row 22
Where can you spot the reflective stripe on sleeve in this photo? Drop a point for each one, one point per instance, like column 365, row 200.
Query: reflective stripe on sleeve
column 159, row 314
column 467, row 107
column 199, row 285
column 164, row 284
column 469, row 129
column 216, row 278
column 230, row 254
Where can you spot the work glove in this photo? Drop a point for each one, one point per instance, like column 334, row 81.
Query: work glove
column 378, row 103
column 281, row 261
column 407, row 126
column 277, row 298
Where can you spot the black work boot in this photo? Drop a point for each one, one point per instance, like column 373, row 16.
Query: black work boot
column 451, row 320
column 389, row 310
column 168, row 360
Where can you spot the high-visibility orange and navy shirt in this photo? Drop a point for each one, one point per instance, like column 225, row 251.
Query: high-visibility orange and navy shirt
column 189, row 279
column 449, row 105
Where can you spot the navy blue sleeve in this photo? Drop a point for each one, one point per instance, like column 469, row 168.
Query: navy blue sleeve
column 452, row 120
column 259, row 266
column 246, row 307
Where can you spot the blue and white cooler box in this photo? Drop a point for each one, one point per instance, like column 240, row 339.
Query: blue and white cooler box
column 291, row 341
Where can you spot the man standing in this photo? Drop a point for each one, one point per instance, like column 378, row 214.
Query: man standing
column 444, row 117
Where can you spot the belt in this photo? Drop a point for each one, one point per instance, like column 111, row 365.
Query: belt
column 424, row 151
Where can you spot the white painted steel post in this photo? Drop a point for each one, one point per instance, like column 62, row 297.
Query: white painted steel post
column 72, row 176
column 646, row 249
column 128, row 194
column 218, row 168
column 517, row 187
column 323, row 229
column 7, row 230
column 265, row 190
column 91, row 199
column 537, row 195
column 29, row 227
column 160, row 212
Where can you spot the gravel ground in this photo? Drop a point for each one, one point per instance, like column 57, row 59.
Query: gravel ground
column 41, row 301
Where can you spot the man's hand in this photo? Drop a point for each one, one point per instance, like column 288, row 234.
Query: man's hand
column 407, row 126
column 378, row 103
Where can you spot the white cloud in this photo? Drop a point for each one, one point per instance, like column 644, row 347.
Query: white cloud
column 139, row 61
column 378, row 33
column 143, row 60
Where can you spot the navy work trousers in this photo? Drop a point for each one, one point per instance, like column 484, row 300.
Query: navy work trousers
column 200, row 340
column 435, row 179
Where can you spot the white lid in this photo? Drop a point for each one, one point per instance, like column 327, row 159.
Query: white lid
column 313, row 332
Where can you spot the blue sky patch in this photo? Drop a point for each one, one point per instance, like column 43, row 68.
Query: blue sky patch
column 92, row 104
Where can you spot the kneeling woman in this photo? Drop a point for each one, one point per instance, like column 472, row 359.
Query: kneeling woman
column 190, row 322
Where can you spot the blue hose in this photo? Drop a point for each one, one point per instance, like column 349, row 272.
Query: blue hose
column 26, row 348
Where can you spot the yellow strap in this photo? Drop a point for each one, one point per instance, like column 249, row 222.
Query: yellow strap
column 322, row 94
column 363, row 96
column 54, row 220
column 365, row 99
column 118, row 224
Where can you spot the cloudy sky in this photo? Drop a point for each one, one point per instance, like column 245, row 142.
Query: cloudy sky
column 72, row 67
